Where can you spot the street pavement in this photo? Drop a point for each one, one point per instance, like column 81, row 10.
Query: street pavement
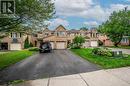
column 110, row 77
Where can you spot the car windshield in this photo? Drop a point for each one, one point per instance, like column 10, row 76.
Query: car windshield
column 44, row 45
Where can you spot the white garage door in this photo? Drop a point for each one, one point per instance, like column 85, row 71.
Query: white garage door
column 52, row 45
column 15, row 47
column 60, row 45
column 94, row 43
column 86, row 44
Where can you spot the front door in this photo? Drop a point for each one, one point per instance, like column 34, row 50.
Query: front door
column 60, row 45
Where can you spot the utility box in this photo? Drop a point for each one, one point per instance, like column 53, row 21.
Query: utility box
column 117, row 54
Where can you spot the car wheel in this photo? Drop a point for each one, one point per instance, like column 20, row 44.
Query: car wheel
column 40, row 51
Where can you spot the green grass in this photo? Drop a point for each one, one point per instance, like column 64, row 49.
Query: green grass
column 104, row 62
column 3, row 52
column 15, row 82
column 9, row 58
column 123, row 47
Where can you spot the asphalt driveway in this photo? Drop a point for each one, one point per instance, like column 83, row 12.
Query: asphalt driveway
column 57, row 63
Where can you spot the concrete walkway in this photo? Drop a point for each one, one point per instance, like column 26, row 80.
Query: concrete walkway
column 111, row 77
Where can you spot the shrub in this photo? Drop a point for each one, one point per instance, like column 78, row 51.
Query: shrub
column 102, row 52
column 26, row 43
column 33, row 49
column 95, row 50
column 77, row 42
column 30, row 45
column 73, row 46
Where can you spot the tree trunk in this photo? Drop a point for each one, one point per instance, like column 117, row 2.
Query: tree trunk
column 116, row 44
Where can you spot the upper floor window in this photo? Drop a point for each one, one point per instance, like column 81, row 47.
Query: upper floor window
column 35, row 35
column 46, row 34
column 96, row 34
column 125, row 40
column 60, row 33
column 15, row 35
column 52, row 33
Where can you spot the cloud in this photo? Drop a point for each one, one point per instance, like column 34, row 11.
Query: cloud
column 72, row 7
column 91, row 24
column 56, row 22
column 86, row 9
column 96, row 13
column 117, row 7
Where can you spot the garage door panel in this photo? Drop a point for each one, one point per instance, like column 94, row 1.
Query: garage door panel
column 86, row 44
column 94, row 43
column 60, row 45
column 15, row 47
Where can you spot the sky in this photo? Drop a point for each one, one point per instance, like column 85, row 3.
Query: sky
column 74, row 14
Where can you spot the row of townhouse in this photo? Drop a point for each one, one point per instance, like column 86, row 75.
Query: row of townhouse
column 59, row 38
column 15, row 41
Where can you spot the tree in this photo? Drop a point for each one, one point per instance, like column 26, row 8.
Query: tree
column 28, row 13
column 117, row 26
column 30, row 45
column 83, row 28
column 78, row 41
column 26, row 43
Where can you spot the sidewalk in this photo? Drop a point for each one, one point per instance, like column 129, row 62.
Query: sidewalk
column 111, row 77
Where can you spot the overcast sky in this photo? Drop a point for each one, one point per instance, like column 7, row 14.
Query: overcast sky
column 74, row 14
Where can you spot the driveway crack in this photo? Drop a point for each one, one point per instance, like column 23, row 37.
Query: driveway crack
column 48, row 81
column 84, row 80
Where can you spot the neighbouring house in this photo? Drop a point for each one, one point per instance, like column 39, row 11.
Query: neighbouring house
column 60, row 38
column 107, row 42
column 125, row 40
column 15, row 41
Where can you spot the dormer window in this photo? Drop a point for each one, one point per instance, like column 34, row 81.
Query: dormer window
column 46, row 34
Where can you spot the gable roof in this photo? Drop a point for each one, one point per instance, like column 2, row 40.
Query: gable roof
column 46, row 30
column 60, row 28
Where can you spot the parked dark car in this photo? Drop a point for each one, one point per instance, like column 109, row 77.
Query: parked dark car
column 45, row 47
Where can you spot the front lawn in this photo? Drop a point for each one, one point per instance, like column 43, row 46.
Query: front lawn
column 2, row 52
column 9, row 58
column 103, row 61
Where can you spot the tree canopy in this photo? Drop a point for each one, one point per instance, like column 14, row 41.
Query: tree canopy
column 78, row 41
column 117, row 26
column 28, row 13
